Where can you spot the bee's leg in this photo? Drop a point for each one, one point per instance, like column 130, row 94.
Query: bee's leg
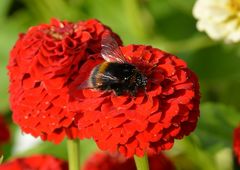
column 133, row 91
column 104, row 87
column 117, row 91
column 145, row 91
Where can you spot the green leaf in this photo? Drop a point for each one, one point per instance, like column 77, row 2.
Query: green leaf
column 216, row 124
column 215, row 63
column 211, row 142
column 134, row 18
column 184, row 6
column 4, row 7
column 109, row 16
column 187, row 154
column 87, row 147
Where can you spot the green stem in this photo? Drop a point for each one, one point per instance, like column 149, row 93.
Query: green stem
column 141, row 163
column 73, row 154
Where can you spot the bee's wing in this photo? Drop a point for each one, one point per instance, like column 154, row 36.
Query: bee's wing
column 109, row 77
column 86, row 84
column 110, row 50
column 103, row 77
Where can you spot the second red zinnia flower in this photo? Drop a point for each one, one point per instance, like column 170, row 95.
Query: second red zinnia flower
column 43, row 63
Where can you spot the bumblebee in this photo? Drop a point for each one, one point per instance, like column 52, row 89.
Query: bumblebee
column 115, row 73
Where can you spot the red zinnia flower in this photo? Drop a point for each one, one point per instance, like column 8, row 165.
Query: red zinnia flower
column 4, row 131
column 43, row 63
column 102, row 161
column 150, row 121
column 40, row 162
column 236, row 143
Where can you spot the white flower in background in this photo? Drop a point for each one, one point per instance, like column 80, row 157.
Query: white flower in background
column 24, row 142
column 220, row 19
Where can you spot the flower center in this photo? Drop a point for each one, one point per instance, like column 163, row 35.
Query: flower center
column 235, row 5
column 60, row 32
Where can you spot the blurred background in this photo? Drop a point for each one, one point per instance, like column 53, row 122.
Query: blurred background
column 168, row 25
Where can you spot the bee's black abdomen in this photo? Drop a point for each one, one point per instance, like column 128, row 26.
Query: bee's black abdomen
column 120, row 70
column 119, row 77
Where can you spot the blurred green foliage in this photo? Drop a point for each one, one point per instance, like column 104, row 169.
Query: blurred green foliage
column 168, row 25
